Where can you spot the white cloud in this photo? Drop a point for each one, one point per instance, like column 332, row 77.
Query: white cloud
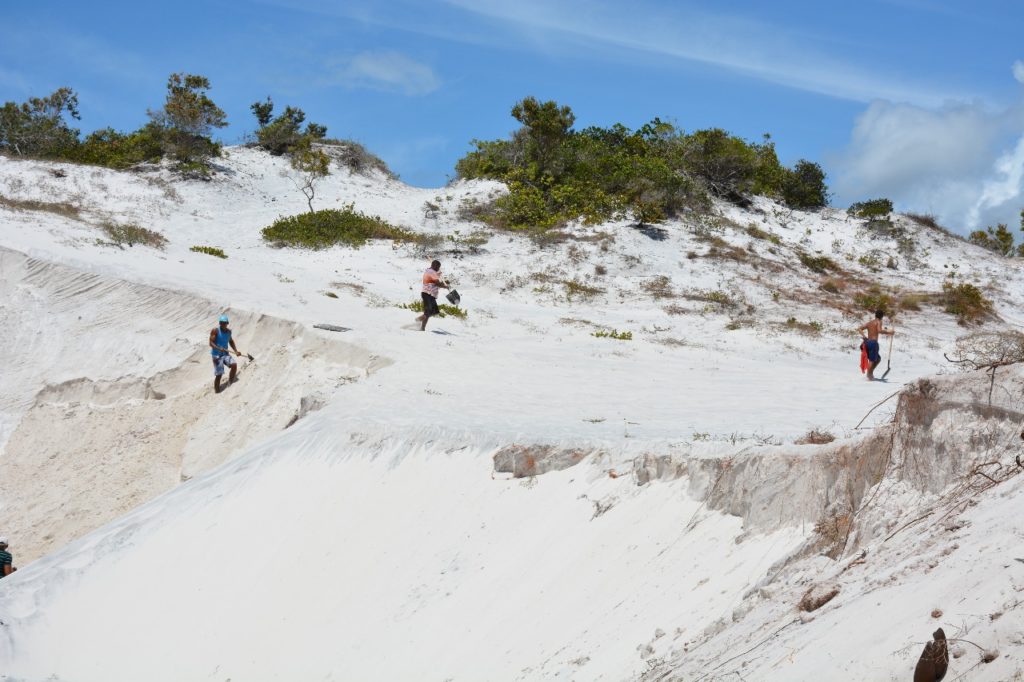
column 384, row 70
column 964, row 163
column 1002, row 188
column 1018, row 71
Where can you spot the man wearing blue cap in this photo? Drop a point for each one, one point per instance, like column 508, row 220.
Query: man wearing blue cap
column 220, row 339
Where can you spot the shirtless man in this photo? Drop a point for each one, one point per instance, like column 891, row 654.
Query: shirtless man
column 872, row 329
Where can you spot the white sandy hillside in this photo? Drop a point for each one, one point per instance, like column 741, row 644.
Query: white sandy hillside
column 935, row 543
column 507, row 496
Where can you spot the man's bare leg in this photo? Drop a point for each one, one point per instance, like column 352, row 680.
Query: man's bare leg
column 423, row 327
column 216, row 384
column 871, row 370
column 234, row 370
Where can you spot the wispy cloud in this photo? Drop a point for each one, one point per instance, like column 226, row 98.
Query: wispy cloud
column 746, row 46
column 760, row 50
column 384, row 70
column 87, row 53
column 931, row 7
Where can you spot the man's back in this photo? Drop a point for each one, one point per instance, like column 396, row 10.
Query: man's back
column 430, row 282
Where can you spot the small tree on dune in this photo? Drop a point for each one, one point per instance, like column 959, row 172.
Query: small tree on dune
column 999, row 239
column 545, row 126
column 187, row 121
column 263, row 111
column 280, row 134
column 804, row 186
column 40, row 126
column 311, row 166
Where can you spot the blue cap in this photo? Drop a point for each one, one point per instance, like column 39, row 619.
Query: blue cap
column 223, row 318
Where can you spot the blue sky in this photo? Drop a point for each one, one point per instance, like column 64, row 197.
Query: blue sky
column 918, row 100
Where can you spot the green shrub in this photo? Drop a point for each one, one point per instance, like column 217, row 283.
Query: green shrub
column 130, row 234
column 328, row 227
column 811, row 327
column 804, row 186
column 209, row 251
column 545, row 126
column 727, row 164
column 187, row 121
column 471, row 243
column 966, row 302
column 874, row 299
column 873, row 208
column 524, row 207
column 713, row 296
column 181, row 129
column 556, row 174
column 996, row 239
column 613, row 334
column 113, row 149
column 281, row 134
column 445, row 309
column 574, row 287
column 870, row 261
column 819, row 264
column 40, row 127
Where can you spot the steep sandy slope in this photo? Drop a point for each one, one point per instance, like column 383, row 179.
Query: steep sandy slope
column 399, row 554
column 675, row 519
column 935, row 543
column 339, row 552
column 108, row 401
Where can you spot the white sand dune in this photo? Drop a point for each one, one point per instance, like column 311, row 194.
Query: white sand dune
column 503, row 497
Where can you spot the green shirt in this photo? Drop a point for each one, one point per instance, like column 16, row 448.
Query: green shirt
column 5, row 560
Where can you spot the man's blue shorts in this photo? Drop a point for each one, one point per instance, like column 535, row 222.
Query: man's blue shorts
column 219, row 363
column 871, row 346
